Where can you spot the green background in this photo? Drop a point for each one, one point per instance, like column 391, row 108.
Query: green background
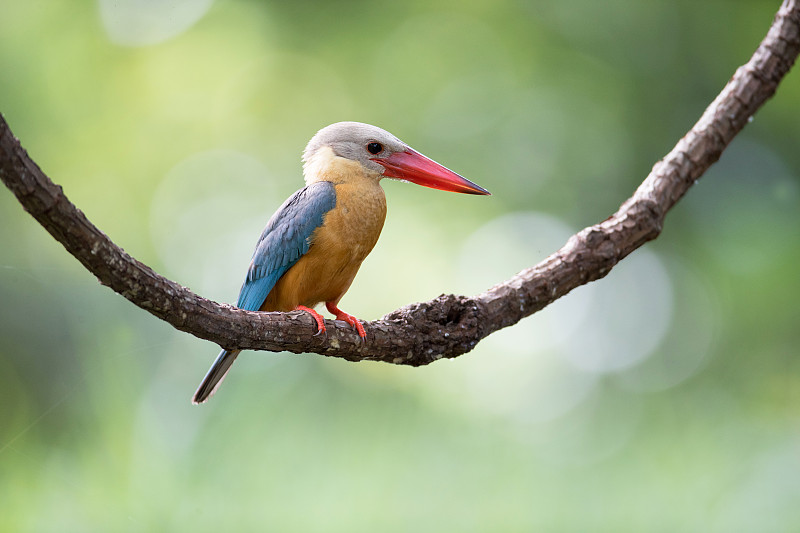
column 665, row 397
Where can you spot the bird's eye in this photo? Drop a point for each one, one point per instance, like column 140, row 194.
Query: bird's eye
column 374, row 148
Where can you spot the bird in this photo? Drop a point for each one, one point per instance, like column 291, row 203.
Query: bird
column 312, row 247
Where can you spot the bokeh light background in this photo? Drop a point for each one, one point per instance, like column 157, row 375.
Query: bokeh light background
column 665, row 397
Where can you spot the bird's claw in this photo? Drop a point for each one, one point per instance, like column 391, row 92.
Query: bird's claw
column 356, row 323
column 317, row 318
column 350, row 319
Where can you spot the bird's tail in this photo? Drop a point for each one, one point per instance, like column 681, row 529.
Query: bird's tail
column 215, row 375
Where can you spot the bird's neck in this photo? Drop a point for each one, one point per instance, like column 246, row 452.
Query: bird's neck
column 325, row 165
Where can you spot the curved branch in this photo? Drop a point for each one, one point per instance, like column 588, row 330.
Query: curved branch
column 450, row 325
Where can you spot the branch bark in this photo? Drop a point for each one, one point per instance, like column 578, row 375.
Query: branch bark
column 449, row 325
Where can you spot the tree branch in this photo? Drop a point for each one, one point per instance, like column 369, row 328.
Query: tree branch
column 449, row 325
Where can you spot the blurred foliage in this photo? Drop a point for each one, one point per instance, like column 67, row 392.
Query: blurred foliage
column 662, row 398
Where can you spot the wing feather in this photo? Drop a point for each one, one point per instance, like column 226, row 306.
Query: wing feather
column 285, row 239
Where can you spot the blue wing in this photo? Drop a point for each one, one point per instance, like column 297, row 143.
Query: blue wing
column 285, row 240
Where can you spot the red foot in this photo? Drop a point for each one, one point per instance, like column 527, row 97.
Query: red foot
column 317, row 317
column 350, row 319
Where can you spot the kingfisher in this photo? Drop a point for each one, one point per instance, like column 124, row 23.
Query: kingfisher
column 313, row 245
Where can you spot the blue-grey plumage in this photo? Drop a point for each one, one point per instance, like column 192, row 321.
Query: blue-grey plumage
column 285, row 239
column 215, row 375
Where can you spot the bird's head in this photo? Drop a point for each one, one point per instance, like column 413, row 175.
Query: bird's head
column 381, row 155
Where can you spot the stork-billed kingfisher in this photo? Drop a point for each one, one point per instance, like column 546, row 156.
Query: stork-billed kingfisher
column 314, row 244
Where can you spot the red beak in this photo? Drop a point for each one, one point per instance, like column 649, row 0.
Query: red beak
column 414, row 167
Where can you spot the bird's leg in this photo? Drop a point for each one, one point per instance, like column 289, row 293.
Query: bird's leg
column 350, row 319
column 318, row 317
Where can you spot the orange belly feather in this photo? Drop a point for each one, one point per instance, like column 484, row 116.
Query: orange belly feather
column 338, row 247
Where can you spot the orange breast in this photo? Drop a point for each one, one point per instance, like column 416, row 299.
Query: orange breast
column 347, row 235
